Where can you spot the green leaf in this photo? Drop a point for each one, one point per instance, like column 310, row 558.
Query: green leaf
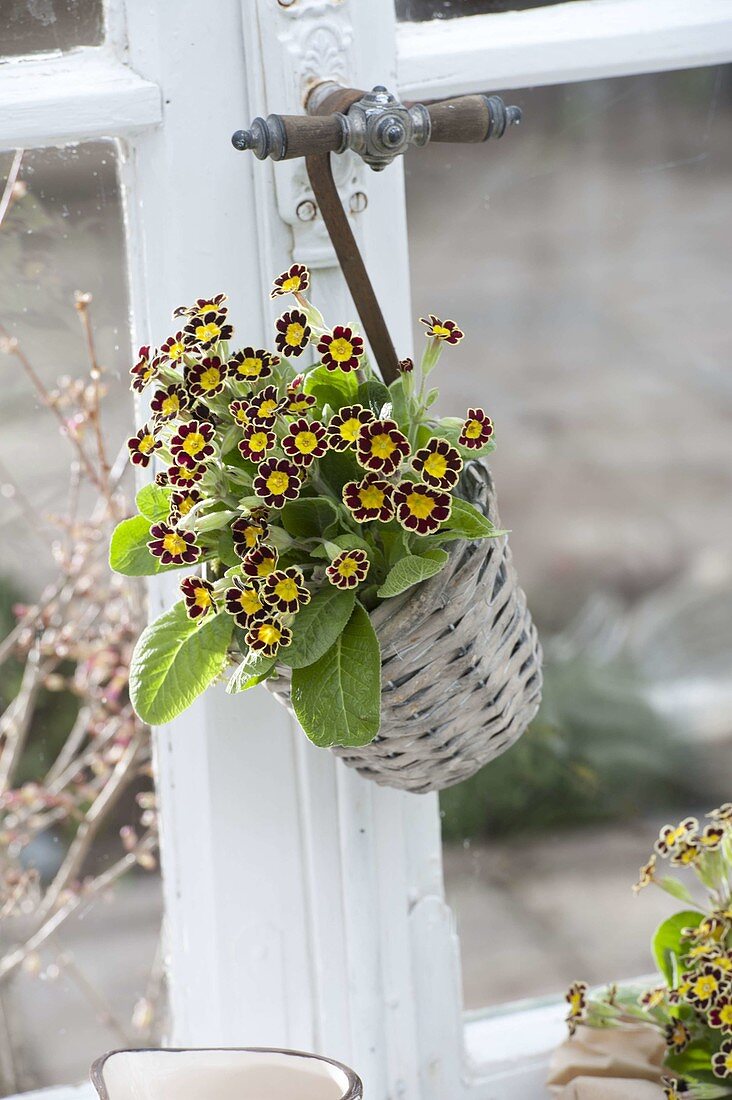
column 666, row 942
column 128, row 552
column 309, row 517
column 467, row 522
column 252, row 670
column 338, row 467
column 338, row 699
column 225, row 550
column 329, row 396
column 695, row 1061
column 345, row 383
column 373, row 395
column 675, row 888
column 412, row 570
column 175, row 659
column 317, row 625
column 153, row 501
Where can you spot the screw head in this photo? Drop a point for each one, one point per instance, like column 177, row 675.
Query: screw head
column 306, row 210
column 358, row 202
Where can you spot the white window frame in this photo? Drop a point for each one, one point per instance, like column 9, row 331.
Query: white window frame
column 305, row 906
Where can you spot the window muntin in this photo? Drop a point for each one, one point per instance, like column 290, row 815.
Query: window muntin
column 592, row 284
column 420, row 11
column 37, row 26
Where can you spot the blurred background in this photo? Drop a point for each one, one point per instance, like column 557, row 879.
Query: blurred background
column 587, row 259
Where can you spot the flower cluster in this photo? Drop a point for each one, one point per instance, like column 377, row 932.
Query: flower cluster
column 283, row 482
column 693, row 1008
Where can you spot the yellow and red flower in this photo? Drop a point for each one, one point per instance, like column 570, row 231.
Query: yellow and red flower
column 142, row 446
column 206, row 329
column 295, row 280
column 250, row 365
column 192, row 444
column 278, row 480
column 285, row 591
column 722, row 813
column 442, row 330
column 171, row 546
column 144, row 370
column 248, row 532
column 720, row 1014
column 674, row 1088
column 345, row 426
column 671, row 836
column 293, row 333
column 576, row 998
column 711, row 837
column 438, row 464
column 476, row 430
column 266, row 634
column 645, row 875
column 264, row 406
column 653, row 998
column 240, row 411
column 183, row 476
column 677, row 1036
column 348, row 568
column 198, row 596
column 406, row 366
column 707, row 984
column 305, row 441
column 722, row 1060
column 260, row 562
column 202, row 305
column 296, row 401
column 242, row 601
column 340, row 349
column 420, row 508
column 369, row 499
column 168, row 403
column 686, row 854
column 173, row 349
column 207, row 378
column 181, row 503
column 256, row 442
column 381, row 447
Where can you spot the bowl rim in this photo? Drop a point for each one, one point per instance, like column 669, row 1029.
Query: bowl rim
column 354, row 1089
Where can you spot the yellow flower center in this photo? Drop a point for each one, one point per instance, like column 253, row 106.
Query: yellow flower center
column 194, row 443
column 286, row 589
column 436, row 465
column 265, row 567
column 249, row 601
column 295, row 334
column 210, row 378
column 208, row 307
column 306, row 442
column 170, row 405
column 277, row 482
column 259, row 441
column 146, row 444
column 184, row 474
column 269, row 634
column 725, row 1016
column 575, row 1003
column 291, row 285
column 241, row 416
column 728, row 1062
column 341, row 350
column 185, row 505
column 705, row 986
column 202, row 598
column 382, row 445
column 420, row 505
column 266, row 409
column 207, row 332
column 371, row 497
column 440, row 330
column 174, row 543
column 250, row 367
column 252, row 535
column 348, row 567
column 473, row 429
column 175, row 352
column 350, row 429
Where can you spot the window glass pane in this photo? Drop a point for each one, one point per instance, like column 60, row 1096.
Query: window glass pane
column 592, row 279
column 418, row 11
column 37, row 26
column 68, row 733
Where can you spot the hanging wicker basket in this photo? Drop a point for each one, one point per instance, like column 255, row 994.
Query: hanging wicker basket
column 461, row 666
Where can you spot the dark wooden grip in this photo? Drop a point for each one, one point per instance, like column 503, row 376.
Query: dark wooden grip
column 310, row 135
column 467, row 118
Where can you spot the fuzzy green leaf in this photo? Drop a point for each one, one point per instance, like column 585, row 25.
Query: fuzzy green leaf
column 175, row 659
column 338, row 699
column 373, row 395
column 128, row 552
column 666, row 942
column 466, row 522
column 317, row 625
column 309, row 517
column 338, row 467
column 412, row 570
column 153, row 501
column 344, row 383
column 252, row 671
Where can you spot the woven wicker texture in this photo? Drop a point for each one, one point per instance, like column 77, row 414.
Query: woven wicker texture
column 461, row 666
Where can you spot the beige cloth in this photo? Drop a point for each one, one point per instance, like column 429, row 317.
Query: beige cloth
column 623, row 1063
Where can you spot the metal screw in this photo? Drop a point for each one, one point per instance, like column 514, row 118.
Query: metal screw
column 358, row 202
column 306, row 210
column 286, row 3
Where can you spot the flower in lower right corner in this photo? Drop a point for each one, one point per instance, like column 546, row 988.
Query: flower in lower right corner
column 266, row 634
column 420, row 508
column 722, row 1060
column 477, row 429
column 198, row 596
column 348, row 569
column 576, row 998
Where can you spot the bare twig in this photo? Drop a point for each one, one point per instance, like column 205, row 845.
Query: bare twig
column 9, row 191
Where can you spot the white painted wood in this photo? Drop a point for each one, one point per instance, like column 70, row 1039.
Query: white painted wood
column 77, row 96
column 61, row 1092
column 582, row 40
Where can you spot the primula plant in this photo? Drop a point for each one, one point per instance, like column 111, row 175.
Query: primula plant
column 692, row 1007
column 303, row 498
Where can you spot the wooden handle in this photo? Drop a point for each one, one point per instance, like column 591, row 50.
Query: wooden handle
column 315, row 134
column 466, row 118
